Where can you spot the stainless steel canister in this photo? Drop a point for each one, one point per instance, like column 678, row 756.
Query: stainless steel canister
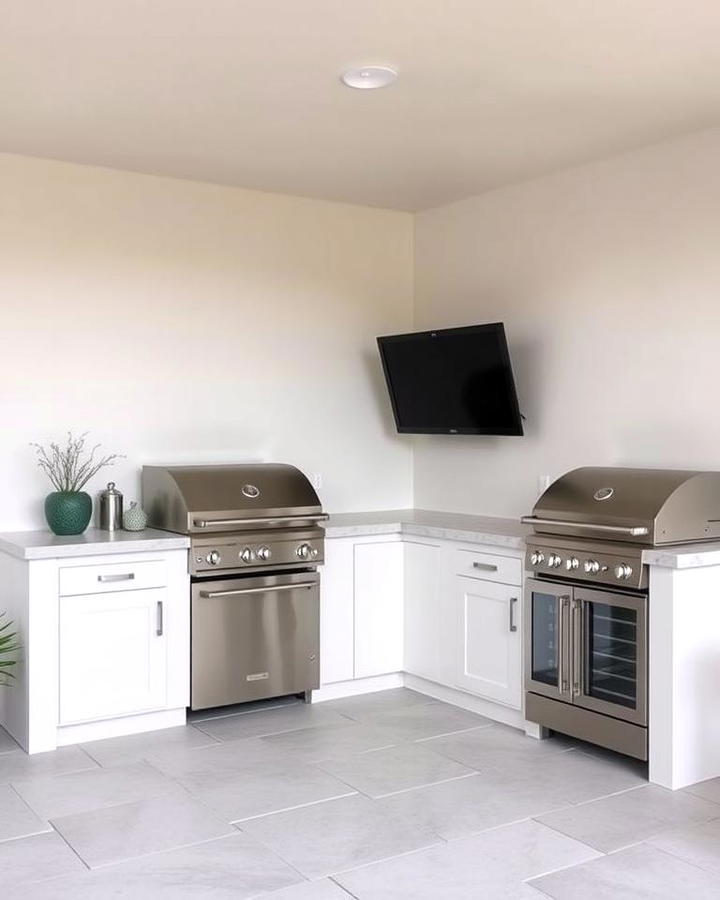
column 111, row 508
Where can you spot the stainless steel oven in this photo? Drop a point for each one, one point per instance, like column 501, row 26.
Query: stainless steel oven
column 254, row 637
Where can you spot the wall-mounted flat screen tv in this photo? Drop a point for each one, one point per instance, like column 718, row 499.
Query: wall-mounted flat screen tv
column 452, row 381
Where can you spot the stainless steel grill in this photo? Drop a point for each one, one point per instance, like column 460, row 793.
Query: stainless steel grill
column 586, row 606
column 256, row 542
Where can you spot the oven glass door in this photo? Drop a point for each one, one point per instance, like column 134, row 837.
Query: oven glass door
column 547, row 639
column 610, row 654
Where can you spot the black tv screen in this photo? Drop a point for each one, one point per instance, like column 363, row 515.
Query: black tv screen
column 452, row 381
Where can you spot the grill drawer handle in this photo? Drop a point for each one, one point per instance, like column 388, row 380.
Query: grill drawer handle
column 126, row 576
column 485, row 567
column 211, row 595
column 632, row 530
column 262, row 520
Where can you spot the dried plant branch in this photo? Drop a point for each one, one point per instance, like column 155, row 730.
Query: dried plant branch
column 70, row 468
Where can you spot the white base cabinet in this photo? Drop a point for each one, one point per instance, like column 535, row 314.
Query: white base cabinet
column 445, row 612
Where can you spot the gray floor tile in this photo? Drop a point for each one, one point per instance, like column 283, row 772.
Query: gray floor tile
column 314, row 744
column 708, row 790
column 699, row 844
column 231, row 868
column 421, row 721
column 382, row 772
column 64, row 795
column 213, row 767
column 340, row 834
column 259, row 795
column 17, row 765
column 491, row 865
column 457, row 809
column 135, row 747
column 271, row 721
column 118, row 833
column 633, row 874
column 365, row 705
column 7, row 743
column 35, row 858
column 16, row 817
column 630, row 817
column 323, row 889
column 496, row 747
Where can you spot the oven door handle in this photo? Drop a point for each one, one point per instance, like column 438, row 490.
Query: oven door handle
column 632, row 530
column 262, row 520
column 211, row 595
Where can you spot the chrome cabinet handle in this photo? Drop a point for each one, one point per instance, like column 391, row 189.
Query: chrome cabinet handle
column 126, row 576
column 577, row 630
column 563, row 644
column 485, row 567
column 262, row 520
column 632, row 530
column 159, row 619
column 513, row 601
column 211, row 595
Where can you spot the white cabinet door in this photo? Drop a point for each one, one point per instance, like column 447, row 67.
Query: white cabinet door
column 489, row 639
column 337, row 645
column 112, row 654
column 424, row 611
column 378, row 608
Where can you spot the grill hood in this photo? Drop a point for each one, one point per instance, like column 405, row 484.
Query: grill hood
column 202, row 499
column 644, row 506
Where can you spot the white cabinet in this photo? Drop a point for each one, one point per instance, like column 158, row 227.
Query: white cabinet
column 489, row 635
column 426, row 610
column 112, row 654
column 337, row 602
column 379, row 612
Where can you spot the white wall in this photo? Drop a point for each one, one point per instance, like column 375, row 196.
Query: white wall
column 180, row 321
column 608, row 280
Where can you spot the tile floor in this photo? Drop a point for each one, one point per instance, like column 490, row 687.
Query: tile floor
column 389, row 796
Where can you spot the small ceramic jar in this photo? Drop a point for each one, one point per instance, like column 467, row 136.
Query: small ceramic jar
column 134, row 519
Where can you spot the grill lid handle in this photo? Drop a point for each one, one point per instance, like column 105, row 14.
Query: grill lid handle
column 262, row 520
column 632, row 530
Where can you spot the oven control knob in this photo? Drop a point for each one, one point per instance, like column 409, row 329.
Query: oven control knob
column 623, row 571
column 264, row 553
column 554, row 561
column 592, row 566
column 537, row 557
column 304, row 551
column 246, row 555
column 213, row 557
column 572, row 563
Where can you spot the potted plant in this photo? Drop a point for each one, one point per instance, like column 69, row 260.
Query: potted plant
column 68, row 508
column 8, row 647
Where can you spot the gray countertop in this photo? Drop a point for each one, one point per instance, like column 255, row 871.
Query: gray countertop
column 488, row 530
column 93, row 542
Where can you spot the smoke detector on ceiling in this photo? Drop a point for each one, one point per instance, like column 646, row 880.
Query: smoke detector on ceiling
column 369, row 77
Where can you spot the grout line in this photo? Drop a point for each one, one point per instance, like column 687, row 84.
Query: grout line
column 342, row 887
column 239, row 822
column 70, row 846
column 419, row 787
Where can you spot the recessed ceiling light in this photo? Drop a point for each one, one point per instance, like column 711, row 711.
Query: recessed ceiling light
column 369, row 77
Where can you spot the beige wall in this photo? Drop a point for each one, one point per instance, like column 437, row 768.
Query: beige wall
column 608, row 280
column 180, row 321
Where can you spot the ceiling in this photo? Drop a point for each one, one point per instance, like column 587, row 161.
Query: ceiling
column 246, row 92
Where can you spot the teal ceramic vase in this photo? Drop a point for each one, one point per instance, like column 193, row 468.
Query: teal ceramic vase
column 68, row 512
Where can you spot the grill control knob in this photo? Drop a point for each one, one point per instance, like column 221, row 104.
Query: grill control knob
column 623, row 571
column 537, row 557
column 554, row 561
column 213, row 557
column 264, row 553
column 592, row 566
column 572, row 563
column 304, row 551
column 246, row 555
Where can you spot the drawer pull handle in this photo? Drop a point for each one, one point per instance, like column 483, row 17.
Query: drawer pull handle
column 126, row 576
column 159, row 628
column 485, row 567
column 265, row 589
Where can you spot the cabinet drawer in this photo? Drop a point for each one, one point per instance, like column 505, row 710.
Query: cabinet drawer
column 112, row 577
column 488, row 566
